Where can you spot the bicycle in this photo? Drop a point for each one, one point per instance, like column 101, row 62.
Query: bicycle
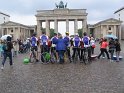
column 53, row 57
column 67, row 55
column 33, row 55
column 86, row 56
column 76, row 57
column 48, row 57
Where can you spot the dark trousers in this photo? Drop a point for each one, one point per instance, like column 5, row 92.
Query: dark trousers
column 103, row 51
column 92, row 50
column 61, row 55
column 68, row 52
column 7, row 54
column 74, row 51
column 111, row 51
column 82, row 53
column 44, row 48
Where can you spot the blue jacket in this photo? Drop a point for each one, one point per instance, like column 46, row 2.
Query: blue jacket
column 60, row 44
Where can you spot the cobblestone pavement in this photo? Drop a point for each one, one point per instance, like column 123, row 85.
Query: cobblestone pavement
column 101, row 76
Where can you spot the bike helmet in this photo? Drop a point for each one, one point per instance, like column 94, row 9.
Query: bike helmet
column 66, row 32
column 34, row 34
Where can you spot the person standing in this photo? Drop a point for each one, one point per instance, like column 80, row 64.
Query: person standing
column 67, row 38
column 53, row 47
column 118, row 49
column 34, row 44
column 76, row 46
column 92, row 43
column 44, row 42
column 7, row 48
column 60, row 47
column 87, row 46
column 111, row 48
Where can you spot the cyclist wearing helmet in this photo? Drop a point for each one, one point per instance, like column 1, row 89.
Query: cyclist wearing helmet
column 86, row 41
column 34, row 44
column 67, row 38
column 76, row 45
column 44, row 42
column 53, row 47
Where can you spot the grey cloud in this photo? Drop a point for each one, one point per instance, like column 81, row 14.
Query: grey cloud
column 102, row 8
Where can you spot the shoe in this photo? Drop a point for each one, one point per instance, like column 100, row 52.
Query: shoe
column 2, row 67
column 98, row 57
column 37, row 60
column 103, row 57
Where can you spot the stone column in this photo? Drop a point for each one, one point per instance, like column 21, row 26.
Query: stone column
column 107, row 29
column 14, row 34
column 75, row 26
column 2, row 33
column 101, row 31
column 67, row 25
column 119, row 32
column 84, row 25
column 115, row 30
column 56, row 26
column 7, row 32
column 47, row 28
column 39, row 25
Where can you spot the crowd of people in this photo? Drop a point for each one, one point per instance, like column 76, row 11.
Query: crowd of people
column 60, row 45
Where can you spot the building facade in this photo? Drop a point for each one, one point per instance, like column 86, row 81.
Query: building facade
column 17, row 30
column 109, row 26
column 119, row 14
column 3, row 18
column 61, row 14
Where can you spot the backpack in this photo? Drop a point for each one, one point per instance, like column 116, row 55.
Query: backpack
column 33, row 41
column 86, row 40
column 44, row 39
column 76, row 41
column 49, row 43
column 5, row 47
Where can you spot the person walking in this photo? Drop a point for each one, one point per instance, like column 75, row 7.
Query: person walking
column 103, row 48
column 7, row 48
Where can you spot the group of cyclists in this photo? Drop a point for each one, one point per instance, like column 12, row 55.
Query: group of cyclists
column 61, row 45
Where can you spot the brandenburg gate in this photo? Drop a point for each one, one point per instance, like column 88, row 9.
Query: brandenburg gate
column 61, row 13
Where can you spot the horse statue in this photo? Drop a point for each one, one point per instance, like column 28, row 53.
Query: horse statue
column 61, row 5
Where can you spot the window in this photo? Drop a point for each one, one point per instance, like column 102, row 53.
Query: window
column 11, row 30
column 109, row 28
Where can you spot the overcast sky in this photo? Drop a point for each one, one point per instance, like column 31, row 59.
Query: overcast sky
column 23, row 11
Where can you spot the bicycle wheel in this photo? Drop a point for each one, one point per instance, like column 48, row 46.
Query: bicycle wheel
column 85, row 58
column 53, row 58
column 32, row 58
column 76, row 57
column 45, row 57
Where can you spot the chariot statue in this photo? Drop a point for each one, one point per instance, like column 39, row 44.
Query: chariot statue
column 61, row 5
